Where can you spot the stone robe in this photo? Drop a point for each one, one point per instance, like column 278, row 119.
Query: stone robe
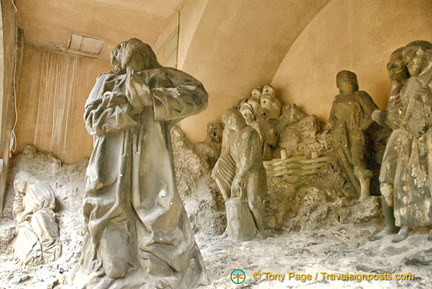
column 133, row 211
column 37, row 239
column 351, row 117
column 411, row 154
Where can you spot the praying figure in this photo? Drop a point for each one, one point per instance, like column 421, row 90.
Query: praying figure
column 37, row 239
column 138, row 234
column 398, row 74
column 412, row 183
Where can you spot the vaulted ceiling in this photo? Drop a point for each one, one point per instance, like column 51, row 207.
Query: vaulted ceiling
column 231, row 46
column 49, row 23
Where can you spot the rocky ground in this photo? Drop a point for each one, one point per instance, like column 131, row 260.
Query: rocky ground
column 319, row 235
column 321, row 255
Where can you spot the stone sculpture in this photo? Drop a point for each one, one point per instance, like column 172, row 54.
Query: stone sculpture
column 411, row 158
column 261, row 111
column 350, row 117
column 137, row 232
column 241, row 177
column 398, row 74
column 37, row 239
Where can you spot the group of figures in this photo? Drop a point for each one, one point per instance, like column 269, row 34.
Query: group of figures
column 406, row 170
column 360, row 140
column 406, row 163
column 137, row 231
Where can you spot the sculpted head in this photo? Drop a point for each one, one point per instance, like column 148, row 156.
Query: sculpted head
column 233, row 119
column 397, row 70
column 417, row 59
column 255, row 93
column 133, row 54
column 347, row 83
column 248, row 112
column 268, row 90
column 21, row 180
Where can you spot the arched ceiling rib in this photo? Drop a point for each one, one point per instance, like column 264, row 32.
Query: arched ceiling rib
column 240, row 44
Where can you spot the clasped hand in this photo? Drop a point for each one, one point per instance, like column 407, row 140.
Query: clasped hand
column 138, row 88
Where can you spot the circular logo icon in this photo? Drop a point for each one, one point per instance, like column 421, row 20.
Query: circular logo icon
column 238, row 276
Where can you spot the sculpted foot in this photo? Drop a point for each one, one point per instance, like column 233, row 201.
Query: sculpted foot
column 402, row 235
column 384, row 233
column 363, row 197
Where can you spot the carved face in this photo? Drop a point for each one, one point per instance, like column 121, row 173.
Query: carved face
column 347, row 84
column 247, row 115
column 265, row 102
column 396, row 67
column 133, row 55
column 268, row 90
column 256, row 94
column 20, row 185
column 246, row 111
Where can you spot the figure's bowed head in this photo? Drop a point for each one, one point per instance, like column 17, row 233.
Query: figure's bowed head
column 133, row 55
column 347, row 83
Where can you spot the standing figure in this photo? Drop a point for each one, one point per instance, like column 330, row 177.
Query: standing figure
column 412, row 184
column 392, row 116
column 138, row 234
column 350, row 117
column 241, row 177
column 37, row 239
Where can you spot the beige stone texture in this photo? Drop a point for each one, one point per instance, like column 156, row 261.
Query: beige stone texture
column 349, row 35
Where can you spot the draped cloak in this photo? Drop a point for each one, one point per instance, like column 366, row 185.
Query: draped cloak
column 133, row 212
column 409, row 154
column 351, row 117
column 37, row 239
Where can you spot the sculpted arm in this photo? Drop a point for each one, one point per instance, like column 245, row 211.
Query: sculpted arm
column 107, row 109
column 367, row 109
column 249, row 155
column 174, row 94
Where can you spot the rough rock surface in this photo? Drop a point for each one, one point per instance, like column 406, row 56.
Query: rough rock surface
column 316, row 228
column 189, row 167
